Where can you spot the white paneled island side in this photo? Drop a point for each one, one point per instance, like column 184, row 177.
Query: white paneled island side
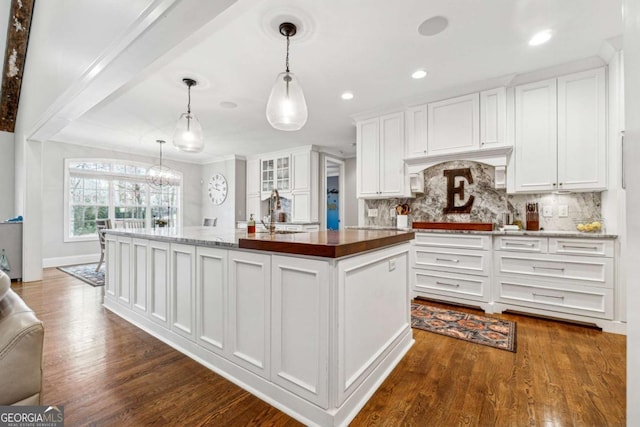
column 312, row 323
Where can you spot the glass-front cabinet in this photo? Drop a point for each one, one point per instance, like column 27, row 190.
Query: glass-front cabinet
column 275, row 174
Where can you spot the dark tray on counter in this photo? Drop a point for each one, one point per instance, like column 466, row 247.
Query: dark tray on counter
column 475, row 226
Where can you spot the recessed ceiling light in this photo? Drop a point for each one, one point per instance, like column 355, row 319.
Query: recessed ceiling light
column 347, row 95
column 228, row 104
column 419, row 74
column 434, row 25
column 540, row 38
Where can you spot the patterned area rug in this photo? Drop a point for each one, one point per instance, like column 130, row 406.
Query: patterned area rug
column 483, row 330
column 86, row 273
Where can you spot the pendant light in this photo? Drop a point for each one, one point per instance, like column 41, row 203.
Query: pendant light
column 160, row 175
column 287, row 109
column 188, row 134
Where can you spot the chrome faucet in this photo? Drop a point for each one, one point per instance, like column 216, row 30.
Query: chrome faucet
column 274, row 204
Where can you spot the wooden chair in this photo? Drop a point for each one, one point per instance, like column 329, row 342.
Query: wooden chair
column 101, row 225
column 210, row 222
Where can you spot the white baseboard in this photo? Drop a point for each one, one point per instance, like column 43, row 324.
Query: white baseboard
column 70, row 260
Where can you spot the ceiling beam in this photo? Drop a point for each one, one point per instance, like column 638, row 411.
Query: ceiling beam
column 14, row 58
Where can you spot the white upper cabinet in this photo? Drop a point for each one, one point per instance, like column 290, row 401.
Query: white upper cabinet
column 560, row 134
column 454, row 125
column 368, row 152
column 274, row 175
column 304, row 186
column 253, row 177
column 493, row 115
column 380, row 151
column 416, row 131
column 536, row 136
column 294, row 174
column 582, row 149
column 253, row 189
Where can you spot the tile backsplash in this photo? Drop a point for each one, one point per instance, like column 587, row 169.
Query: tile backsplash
column 489, row 202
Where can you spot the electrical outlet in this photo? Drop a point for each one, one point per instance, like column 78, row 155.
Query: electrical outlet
column 563, row 211
column 392, row 264
column 392, row 212
column 547, row 212
column 373, row 213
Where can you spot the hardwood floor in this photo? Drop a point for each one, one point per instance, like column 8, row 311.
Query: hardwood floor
column 107, row 372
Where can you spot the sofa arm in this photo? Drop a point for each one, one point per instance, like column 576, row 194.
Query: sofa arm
column 21, row 345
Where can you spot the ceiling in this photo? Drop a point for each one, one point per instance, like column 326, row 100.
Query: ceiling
column 369, row 47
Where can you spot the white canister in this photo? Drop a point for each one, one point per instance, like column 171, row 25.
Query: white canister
column 402, row 221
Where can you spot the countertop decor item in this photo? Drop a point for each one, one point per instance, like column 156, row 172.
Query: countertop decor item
column 533, row 219
column 188, row 134
column 218, row 189
column 476, row 226
column 590, row 225
column 287, row 108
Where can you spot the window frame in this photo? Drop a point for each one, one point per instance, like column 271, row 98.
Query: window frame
column 111, row 177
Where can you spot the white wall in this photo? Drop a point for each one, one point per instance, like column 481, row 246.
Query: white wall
column 350, row 194
column 7, row 180
column 66, row 37
column 57, row 252
column 233, row 208
column 632, row 156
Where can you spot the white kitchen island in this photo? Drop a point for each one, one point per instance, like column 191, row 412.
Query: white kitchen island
column 312, row 323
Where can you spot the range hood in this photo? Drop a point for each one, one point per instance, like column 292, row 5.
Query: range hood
column 497, row 157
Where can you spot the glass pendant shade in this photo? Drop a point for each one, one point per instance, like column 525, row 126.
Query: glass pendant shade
column 159, row 175
column 287, row 108
column 188, row 134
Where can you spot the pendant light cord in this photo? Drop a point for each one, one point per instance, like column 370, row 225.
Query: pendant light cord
column 287, row 60
column 189, row 99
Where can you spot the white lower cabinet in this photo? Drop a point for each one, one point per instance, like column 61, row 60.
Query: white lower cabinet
column 315, row 336
column 211, row 297
column 111, row 273
column 158, row 282
column 123, row 275
column 139, row 274
column 571, row 278
column 250, row 310
column 451, row 284
column 563, row 277
column 182, row 296
column 452, row 267
column 300, row 327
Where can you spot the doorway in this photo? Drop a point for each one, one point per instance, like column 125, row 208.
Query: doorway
column 333, row 194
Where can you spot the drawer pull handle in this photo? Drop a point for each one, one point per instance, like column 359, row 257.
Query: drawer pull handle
column 455, row 285
column 548, row 268
column 548, row 296
column 595, row 248
column 527, row 245
column 448, row 259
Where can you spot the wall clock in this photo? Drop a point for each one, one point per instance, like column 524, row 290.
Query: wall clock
column 218, row 188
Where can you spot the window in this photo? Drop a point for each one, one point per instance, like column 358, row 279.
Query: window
column 97, row 189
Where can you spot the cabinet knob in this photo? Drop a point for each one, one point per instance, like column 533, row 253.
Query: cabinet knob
column 554, row 184
column 560, row 184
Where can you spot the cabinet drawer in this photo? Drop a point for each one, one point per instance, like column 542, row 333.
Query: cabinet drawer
column 462, row 241
column 564, row 298
column 581, row 247
column 522, row 244
column 597, row 271
column 450, row 284
column 461, row 261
